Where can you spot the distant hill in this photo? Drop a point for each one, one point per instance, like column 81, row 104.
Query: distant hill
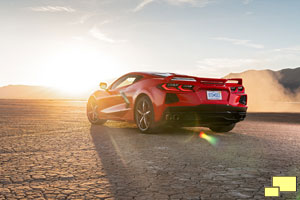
column 41, row 92
column 267, row 88
column 288, row 78
column 31, row 92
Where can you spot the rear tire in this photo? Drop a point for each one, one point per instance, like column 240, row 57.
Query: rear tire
column 222, row 128
column 144, row 114
column 92, row 112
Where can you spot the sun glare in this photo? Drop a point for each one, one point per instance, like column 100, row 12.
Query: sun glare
column 78, row 69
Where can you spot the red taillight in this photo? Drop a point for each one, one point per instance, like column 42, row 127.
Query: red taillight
column 237, row 89
column 166, row 87
column 170, row 87
column 176, row 87
column 186, row 88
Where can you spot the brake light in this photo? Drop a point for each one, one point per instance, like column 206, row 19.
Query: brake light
column 233, row 89
column 186, row 88
column 170, row 86
column 239, row 89
column 176, row 87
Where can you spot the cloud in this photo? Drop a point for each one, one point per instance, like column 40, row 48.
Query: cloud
column 196, row 3
column 96, row 33
column 248, row 13
column 218, row 63
column 246, row 43
column 84, row 18
column 99, row 35
column 218, row 67
column 274, row 59
column 52, row 9
column 142, row 5
column 294, row 49
column 246, row 1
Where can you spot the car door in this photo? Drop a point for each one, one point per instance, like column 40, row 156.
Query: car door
column 118, row 101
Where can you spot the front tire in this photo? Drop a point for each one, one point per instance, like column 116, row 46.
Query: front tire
column 144, row 114
column 92, row 112
column 222, row 128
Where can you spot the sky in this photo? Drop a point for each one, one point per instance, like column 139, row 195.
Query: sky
column 78, row 43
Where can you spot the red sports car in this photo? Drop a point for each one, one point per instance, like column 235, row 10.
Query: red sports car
column 153, row 99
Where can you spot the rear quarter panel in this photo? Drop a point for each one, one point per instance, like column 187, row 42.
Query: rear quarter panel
column 148, row 87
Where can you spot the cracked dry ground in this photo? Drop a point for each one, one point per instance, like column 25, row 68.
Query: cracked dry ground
column 50, row 151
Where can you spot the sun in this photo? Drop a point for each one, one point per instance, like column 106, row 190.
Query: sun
column 77, row 69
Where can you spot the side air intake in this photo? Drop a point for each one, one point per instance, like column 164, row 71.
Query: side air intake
column 243, row 100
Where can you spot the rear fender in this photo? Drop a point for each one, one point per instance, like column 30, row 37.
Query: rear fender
column 157, row 98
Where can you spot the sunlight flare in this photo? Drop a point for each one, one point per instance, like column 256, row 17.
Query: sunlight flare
column 78, row 68
column 212, row 140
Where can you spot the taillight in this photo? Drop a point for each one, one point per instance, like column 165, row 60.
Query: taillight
column 233, row 89
column 186, row 88
column 237, row 89
column 176, row 87
column 170, row 86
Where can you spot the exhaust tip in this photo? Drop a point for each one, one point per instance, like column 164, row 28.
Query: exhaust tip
column 172, row 117
column 176, row 117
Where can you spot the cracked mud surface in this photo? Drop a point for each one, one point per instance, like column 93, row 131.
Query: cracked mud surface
column 48, row 150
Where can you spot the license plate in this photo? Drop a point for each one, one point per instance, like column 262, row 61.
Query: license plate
column 214, row 95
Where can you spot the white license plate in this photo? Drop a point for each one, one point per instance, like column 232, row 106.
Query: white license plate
column 214, row 95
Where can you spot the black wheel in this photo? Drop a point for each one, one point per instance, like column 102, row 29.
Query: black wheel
column 222, row 128
column 92, row 112
column 144, row 114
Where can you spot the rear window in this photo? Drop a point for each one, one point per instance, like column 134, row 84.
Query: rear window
column 161, row 74
column 183, row 79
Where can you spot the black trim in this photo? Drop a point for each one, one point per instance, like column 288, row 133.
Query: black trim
column 243, row 100
column 171, row 98
column 125, row 99
column 204, row 115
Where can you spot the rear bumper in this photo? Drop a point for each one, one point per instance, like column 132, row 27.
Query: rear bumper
column 204, row 115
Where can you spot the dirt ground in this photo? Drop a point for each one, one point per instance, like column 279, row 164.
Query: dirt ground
column 48, row 150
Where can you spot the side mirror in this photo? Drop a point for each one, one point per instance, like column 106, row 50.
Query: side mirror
column 103, row 85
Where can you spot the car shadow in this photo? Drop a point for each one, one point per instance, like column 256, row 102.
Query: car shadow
column 143, row 165
column 112, row 161
column 132, row 161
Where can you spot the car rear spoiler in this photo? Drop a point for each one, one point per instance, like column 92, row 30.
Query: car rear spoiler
column 239, row 80
column 221, row 81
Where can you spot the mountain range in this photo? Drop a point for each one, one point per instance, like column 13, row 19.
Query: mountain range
column 262, row 86
column 34, row 92
column 287, row 78
column 271, row 91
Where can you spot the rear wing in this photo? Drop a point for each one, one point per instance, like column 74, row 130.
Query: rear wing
column 235, row 80
column 205, row 81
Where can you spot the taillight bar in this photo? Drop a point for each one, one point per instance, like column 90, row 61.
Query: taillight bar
column 237, row 89
column 176, row 87
column 169, row 88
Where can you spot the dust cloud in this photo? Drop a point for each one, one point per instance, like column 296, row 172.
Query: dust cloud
column 266, row 94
